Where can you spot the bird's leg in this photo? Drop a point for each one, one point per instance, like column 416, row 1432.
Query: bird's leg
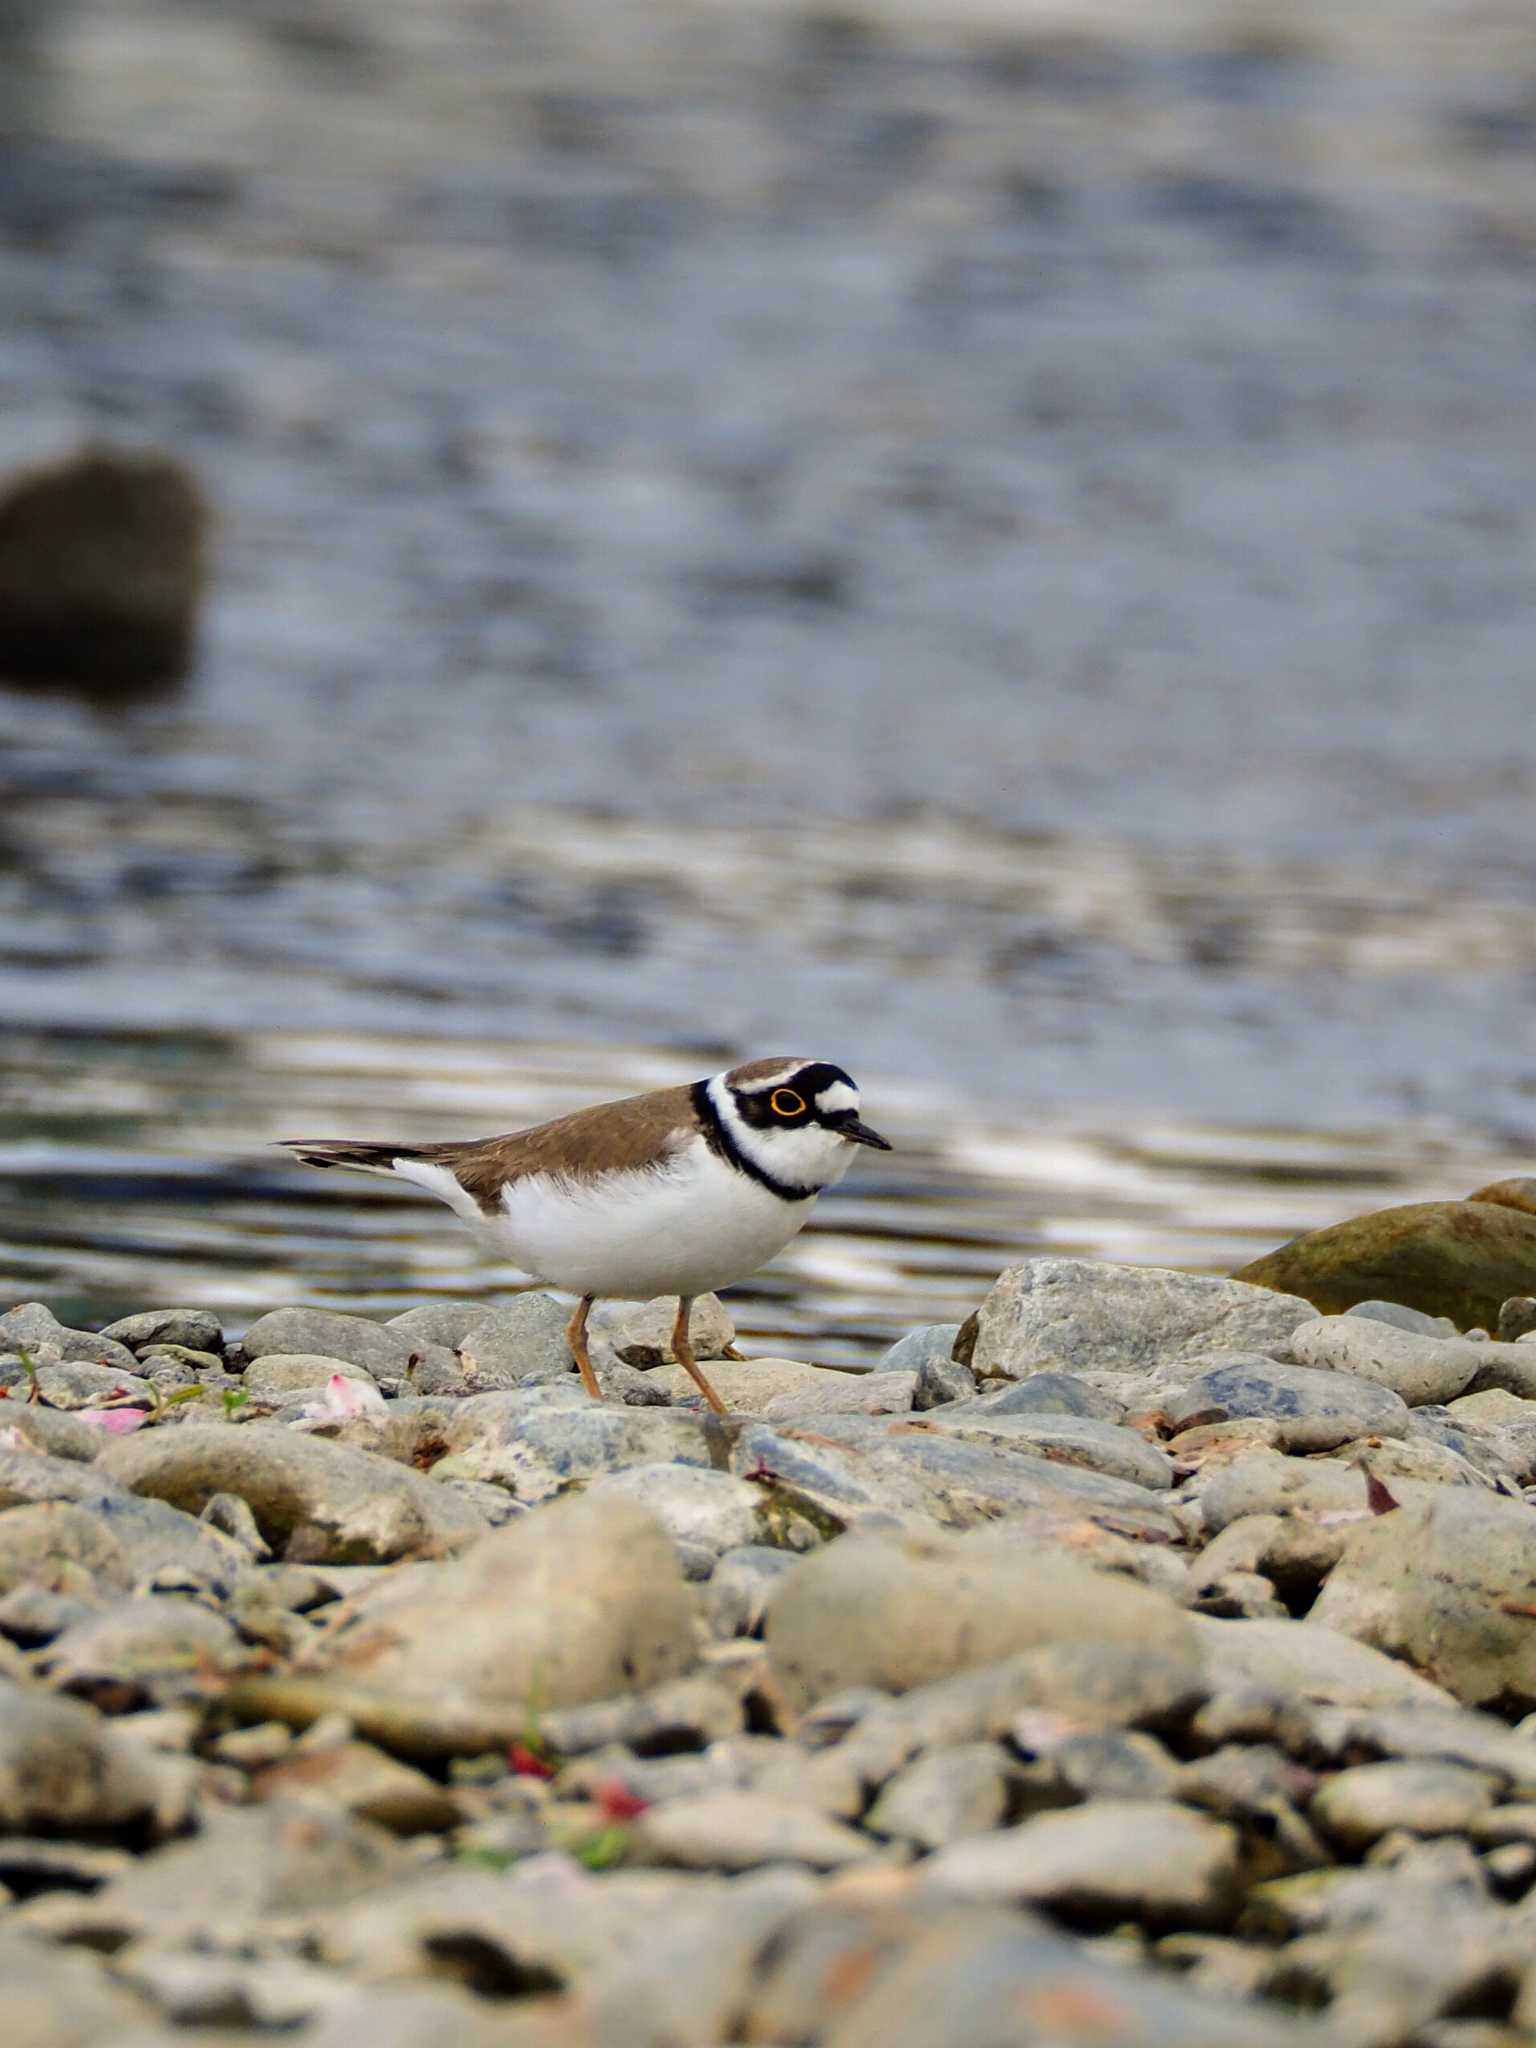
column 682, row 1351
column 576, row 1337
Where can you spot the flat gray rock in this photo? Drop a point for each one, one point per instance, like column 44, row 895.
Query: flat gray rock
column 1445, row 1583
column 439, row 1322
column 1077, row 1314
column 1307, row 1661
column 1047, row 1393
column 1418, row 1368
column 919, row 1467
column 78, row 1383
column 1315, row 1411
column 31, row 1326
column 196, row 1329
column 944, row 1796
column 284, row 1372
column 743, row 1831
column 1077, row 1440
column 313, row 1500
column 965, row 1972
column 741, row 1586
column 523, row 1339
column 695, row 1504
column 1114, row 1858
column 1357, row 1807
column 899, row 1614
column 582, row 1601
column 640, row 1332
column 1401, row 1318
column 845, row 1393
column 325, row 1333
column 929, row 1352
column 536, row 1449
column 64, row 1769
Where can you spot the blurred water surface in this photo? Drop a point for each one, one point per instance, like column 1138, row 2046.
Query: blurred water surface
column 993, row 547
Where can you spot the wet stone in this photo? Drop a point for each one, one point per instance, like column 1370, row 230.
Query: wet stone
column 1517, row 1318
column 1315, row 1411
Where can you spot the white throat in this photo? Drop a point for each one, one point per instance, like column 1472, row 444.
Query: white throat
column 802, row 1161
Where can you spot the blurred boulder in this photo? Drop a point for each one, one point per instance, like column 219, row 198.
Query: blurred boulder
column 102, row 569
column 1458, row 1259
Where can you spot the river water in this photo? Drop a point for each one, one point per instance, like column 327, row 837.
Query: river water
column 992, row 547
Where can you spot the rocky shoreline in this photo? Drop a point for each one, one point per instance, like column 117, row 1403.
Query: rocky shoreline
column 1151, row 1659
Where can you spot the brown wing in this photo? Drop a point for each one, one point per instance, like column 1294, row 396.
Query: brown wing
column 640, row 1131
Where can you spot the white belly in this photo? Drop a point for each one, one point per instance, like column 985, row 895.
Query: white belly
column 695, row 1227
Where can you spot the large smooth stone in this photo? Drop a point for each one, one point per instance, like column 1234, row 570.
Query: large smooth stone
column 582, row 1601
column 902, row 1613
column 1078, row 1315
column 1449, row 1584
column 102, row 563
column 1107, row 1860
column 1456, row 1259
column 313, row 1501
column 1421, row 1370
column 1315, row 1411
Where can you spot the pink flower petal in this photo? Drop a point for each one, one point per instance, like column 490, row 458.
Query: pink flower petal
column 115, row 1421
column 344, row 1398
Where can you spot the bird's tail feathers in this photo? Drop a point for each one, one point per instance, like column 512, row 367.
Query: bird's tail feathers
column 357, row 1153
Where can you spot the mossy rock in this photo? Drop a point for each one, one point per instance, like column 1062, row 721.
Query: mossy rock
column 1456, row 1259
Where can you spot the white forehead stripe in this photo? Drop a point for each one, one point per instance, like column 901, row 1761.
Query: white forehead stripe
column 838, row 1097
column 773, row 1080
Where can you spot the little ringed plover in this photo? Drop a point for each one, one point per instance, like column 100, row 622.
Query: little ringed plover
column 680, row 1191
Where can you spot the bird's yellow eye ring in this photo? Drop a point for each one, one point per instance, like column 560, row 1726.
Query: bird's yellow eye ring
column 785, row 1102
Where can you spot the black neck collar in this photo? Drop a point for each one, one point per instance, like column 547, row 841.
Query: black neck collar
column 721, row 1140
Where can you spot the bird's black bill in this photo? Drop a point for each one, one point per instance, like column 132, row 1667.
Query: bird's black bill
column 861, row 1134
